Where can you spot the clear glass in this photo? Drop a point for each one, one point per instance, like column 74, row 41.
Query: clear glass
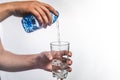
column 58, row 64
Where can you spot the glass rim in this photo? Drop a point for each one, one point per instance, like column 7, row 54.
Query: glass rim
column 59, row 43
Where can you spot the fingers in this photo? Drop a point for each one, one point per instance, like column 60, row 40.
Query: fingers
column 64, row 55
column 67, row 61
column 61, row 54
column 69, row 69
column 38, row 16
column 51, row 9
column 43, row 16
column 68, row 53
column 44, row 10
column 41, row 11
column 64, row 63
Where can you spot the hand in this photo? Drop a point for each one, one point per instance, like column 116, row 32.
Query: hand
column 44, row 59
column 40, row 10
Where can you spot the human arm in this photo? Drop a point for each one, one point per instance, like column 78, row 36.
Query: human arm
column 12, row 62
column 20, row 8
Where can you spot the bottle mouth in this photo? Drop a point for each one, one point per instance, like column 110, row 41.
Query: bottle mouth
column 54, row 17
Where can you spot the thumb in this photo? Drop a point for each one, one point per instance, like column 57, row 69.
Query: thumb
column 50, row 56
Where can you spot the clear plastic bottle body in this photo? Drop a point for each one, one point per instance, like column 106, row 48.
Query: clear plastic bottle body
column 30, row 23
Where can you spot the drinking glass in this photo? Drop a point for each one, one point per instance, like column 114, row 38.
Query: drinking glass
column 58, row 63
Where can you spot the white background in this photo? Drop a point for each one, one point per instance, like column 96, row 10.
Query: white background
column 91, row 26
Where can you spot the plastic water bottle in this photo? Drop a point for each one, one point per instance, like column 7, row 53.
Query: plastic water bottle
column 30, row 23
